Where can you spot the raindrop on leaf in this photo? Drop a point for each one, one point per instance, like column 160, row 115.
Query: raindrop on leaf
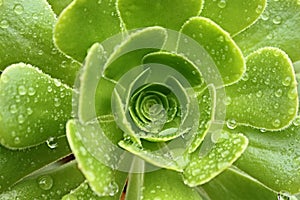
column 45, row 182
column 4, row 24
column 231, row 124
column 18, row 9
column 51, row 142
column 222, row 4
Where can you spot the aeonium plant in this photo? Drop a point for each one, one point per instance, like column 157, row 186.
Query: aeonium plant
column 134, row 99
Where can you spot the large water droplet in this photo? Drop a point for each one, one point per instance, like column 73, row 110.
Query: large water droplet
column 31, row 91
column 22, row 90
column 45, row 182
column 222, row 4
column 114, row 188
column 265, row 15
column 13, row 109
column 51, row 142
column 231, row 124
column 287, row 81
column 4, row 24
column 277, row 20
column 296, row 121
column 292, row 94
column 18, row 9
column 276, row 123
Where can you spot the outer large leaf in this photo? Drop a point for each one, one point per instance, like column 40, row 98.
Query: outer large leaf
column 235, row 185
column 17, row 164
column 273, row 158
column 26, row 36
column 170, row 14
column 266, row 97
column 97, row 162
column 278, row 27
column 234, row 15
column 83, row 23
column 46, row 185
column 219, row 45
column 34, row 106
column 202, row 168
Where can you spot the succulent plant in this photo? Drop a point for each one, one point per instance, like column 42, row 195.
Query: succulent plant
column 153, row 100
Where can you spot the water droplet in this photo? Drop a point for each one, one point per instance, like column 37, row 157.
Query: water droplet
column 22, row 90
column 114, row 188
column 99, row 1
column 245, row 77
column 31, row 91
column 57, row 82
column 287, row 81
column 45, row 182
column 265, row 15
column 227, row 100
column 291, row 111
column 296, row 121
column 278, row 93
column 51, row 142
column 276, row 123
column 263, row 130
column 13, row 109
column 222, row 4
column 259, row 9
column 21, row 119
column 56, row 102
column 4, row 24
column 49, row 89
column 292, row 94
column 277, row 20
column 17, row 140
column 231, row 124
column 259, row 94
column 18, row 9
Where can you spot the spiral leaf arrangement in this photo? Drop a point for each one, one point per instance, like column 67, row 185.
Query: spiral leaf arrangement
column 174, row 99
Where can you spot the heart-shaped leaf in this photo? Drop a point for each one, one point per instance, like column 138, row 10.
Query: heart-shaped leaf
column 276, row 27
column 234, row 15
column 267, row 95
column 34, row 106
column 170, row 14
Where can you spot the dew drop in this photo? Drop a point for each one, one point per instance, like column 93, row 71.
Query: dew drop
column 51, row 142
column 276, row 123
column 45, row 182
column 56, row 102
column 57, row 82
column 277, row 20
column 13, row 109
column 292, row 94
column 278, row 93
column 17, row 140
column 245, row 77
column 227, row 100
column 287, row 81
column 31, row 91
column 21, row 119
column 99, row 1
column 49, row 89
column 231, row 124
column 259, row 9
column 262, row 130
column 296, row 121
column 22, row 90
column 18, row 9
column 114, row 188
column 4, row 24
column 259, row 94
column 265, row 16
column 222, row 4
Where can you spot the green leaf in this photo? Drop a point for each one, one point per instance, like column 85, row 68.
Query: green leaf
column 26, row 36
column 34, row 106
column 207, row 102
column 179, row 63
column 273, row 158
column 84, row 192
column 226, row 150
column 233, row 15
column 58, row 5
column 96, row 157
column 278, row 26
column 267, row 96
column 83, row 23
column 170, row 14
column 17, row 164
column 218, row 44
column 233, row 184
column 48, row 184
column 167, row 185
